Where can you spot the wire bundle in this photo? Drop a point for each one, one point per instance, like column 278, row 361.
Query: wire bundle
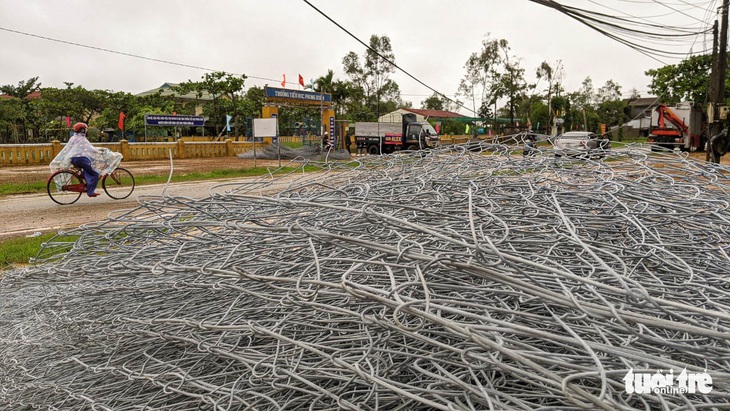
column 652, row 34
column 461, row 278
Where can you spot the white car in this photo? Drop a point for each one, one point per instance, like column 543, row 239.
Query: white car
column 580, row 143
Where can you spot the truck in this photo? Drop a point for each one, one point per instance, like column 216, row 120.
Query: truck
column 683, row 126
column 388, row 137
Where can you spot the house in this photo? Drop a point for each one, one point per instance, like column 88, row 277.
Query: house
column 642, row 106
column 167, row 89
column 639, row 115
column 32, row 96
column 421, row 115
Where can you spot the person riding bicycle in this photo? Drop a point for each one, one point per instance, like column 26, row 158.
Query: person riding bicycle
column 81, row 154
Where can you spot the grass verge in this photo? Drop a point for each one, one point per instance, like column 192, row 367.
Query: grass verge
column 18, row 251
column 12, row 188
column 40, row 187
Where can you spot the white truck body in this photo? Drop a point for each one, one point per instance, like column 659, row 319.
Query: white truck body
column 387, row 137
column 371, row 129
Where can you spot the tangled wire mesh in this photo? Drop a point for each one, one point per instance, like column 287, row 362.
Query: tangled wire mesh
column 308, row 152
column 463, row 278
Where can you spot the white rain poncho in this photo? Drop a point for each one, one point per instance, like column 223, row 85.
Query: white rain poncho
column 103, row 160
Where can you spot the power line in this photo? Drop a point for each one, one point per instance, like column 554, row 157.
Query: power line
column 632, row 31
column 173, row 63
column 385, row 58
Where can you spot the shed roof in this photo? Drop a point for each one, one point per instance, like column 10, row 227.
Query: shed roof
column 643, row 101
column 433, row 113
column 33, row 95
column 167, row 90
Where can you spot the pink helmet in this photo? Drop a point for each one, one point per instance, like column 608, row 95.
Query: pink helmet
column 80, row 126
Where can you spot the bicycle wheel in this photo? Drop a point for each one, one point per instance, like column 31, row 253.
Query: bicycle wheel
column 119, row 184
column 65, row 187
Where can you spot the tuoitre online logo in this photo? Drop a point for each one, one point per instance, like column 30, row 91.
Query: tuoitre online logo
column 666, row 383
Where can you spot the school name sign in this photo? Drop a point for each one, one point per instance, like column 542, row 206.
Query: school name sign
column 297, row 96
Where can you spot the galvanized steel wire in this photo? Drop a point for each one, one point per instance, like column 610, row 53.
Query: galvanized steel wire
column 463, row 278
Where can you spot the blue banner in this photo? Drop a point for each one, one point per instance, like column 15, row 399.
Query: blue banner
column 165, row 120
column 298, row 95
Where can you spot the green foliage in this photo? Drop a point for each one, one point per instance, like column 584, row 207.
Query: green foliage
column 435, row 102
column 372, row 92
column 687, row 81
column 611, row 91
column 13, row 115
column 45, row 117
column 23, row 89
column 451, row 127
column 227, row 95
column 16, row 113
column 613, row 112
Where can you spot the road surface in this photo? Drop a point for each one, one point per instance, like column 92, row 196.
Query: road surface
column 23, row 215
column 27, row 214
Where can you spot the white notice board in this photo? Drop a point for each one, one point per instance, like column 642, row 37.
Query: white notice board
column 264, row 127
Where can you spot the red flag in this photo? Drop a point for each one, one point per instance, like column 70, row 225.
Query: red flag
column 68, row 121
column 121, row 120
column 301, row 80
column 283, row 82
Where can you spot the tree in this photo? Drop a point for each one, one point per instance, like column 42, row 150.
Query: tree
column 634, row 94
column 23, row 89
column 611, row 108
column 511, row 81
column 481, row 76
column 20, row 111
column 435, row 102
column 563, row 108
column 485, row 110
column 134, row 109
column 325, row 84
column 612, row 112
column 610, row 91
column 46, row 113
column 554, row 78
column 687, row 81
column 251, row 105
column 373, row 75
column 225, row 90
column 583, row 115
column 77, row 103
column 12, row 117
column 253, row 102
column 340, row 91
column 539, row 115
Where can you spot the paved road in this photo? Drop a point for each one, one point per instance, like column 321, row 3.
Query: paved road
column 23, row 215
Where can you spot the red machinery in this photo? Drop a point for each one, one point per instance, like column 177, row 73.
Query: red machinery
column 682, row 126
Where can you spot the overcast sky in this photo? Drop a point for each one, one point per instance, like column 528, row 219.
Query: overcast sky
column 264, row 39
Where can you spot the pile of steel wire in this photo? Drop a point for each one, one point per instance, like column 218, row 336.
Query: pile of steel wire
column 468, row 277
column 313, row 152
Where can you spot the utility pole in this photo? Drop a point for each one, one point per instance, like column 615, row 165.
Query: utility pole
column 718, row 147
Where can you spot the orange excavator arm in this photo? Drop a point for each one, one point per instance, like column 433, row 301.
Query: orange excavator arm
column 665, row 114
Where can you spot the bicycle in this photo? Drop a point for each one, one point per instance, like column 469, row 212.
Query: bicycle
column 66, row 186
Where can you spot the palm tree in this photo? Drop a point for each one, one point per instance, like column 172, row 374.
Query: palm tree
column 325, row 83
